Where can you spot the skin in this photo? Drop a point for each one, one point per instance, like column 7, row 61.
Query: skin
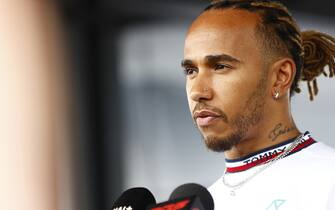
column 231, row 83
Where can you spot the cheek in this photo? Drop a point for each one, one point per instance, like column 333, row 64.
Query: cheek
column 188, row 95
column 227, row 88
column 187, row 88
column 232, row 93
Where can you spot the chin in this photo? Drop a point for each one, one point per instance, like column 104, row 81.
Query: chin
column 222, row 143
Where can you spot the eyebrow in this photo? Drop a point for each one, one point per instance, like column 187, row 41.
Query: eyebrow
column 186, row 62
column 212, row 59
column 222, row 57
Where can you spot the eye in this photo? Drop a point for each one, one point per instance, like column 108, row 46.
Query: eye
column 190, row 71
column 220, row 66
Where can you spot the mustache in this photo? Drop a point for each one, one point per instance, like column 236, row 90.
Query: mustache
column 202, row 106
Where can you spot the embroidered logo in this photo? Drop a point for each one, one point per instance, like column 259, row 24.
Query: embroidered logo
column 275, row 204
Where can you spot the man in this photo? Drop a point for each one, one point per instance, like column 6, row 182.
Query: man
column 243, row 61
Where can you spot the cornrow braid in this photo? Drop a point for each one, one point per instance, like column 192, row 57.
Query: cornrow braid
column 311, row 51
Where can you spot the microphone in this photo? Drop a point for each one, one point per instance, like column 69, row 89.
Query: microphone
column 187, row 197
column 137, row 198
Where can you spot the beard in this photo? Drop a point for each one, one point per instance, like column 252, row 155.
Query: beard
column 251, row 115
column 217, row 144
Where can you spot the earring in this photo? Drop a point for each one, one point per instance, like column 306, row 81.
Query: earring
column 276, row 96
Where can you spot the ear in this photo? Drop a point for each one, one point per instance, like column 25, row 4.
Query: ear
column 283, row 73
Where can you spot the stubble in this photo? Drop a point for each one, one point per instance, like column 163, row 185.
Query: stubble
column 251, row 115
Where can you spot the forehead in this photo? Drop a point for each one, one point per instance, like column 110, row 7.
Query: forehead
column 229, row 31
column 230, row 17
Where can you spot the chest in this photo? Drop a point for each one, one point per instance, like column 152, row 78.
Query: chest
column 273, row 191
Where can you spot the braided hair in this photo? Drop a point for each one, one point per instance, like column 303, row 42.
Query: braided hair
column 313, row 52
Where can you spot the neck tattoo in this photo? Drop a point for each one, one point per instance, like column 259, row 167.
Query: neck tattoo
column 279, row 130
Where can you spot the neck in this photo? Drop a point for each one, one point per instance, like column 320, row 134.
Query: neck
column 273, row 130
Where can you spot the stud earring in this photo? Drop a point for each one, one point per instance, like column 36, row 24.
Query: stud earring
column 276, row 96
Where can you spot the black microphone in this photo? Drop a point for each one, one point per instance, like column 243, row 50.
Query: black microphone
column 187, row 197
column 137, row 198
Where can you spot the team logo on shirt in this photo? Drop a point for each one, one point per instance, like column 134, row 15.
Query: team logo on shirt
column 275, row 204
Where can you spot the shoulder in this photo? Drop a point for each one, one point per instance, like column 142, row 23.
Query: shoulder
column 315, row 167
column 317, row 159
column 216, row 187
column 217, row 190
column 321, row 152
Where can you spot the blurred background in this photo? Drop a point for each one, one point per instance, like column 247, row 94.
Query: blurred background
column 128, row 123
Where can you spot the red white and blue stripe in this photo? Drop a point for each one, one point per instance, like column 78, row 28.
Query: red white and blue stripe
column 267, row 154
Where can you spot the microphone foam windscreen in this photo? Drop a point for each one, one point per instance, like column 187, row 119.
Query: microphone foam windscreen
column 137, row 198
column 192, row 189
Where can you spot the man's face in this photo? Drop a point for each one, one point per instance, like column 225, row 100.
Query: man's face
column 226, row 79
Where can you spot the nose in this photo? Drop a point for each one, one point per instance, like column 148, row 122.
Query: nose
column 200, row 89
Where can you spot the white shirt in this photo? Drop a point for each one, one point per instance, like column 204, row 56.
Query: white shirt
column 304, row 180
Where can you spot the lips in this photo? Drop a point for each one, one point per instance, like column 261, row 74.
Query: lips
column 205, row 117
